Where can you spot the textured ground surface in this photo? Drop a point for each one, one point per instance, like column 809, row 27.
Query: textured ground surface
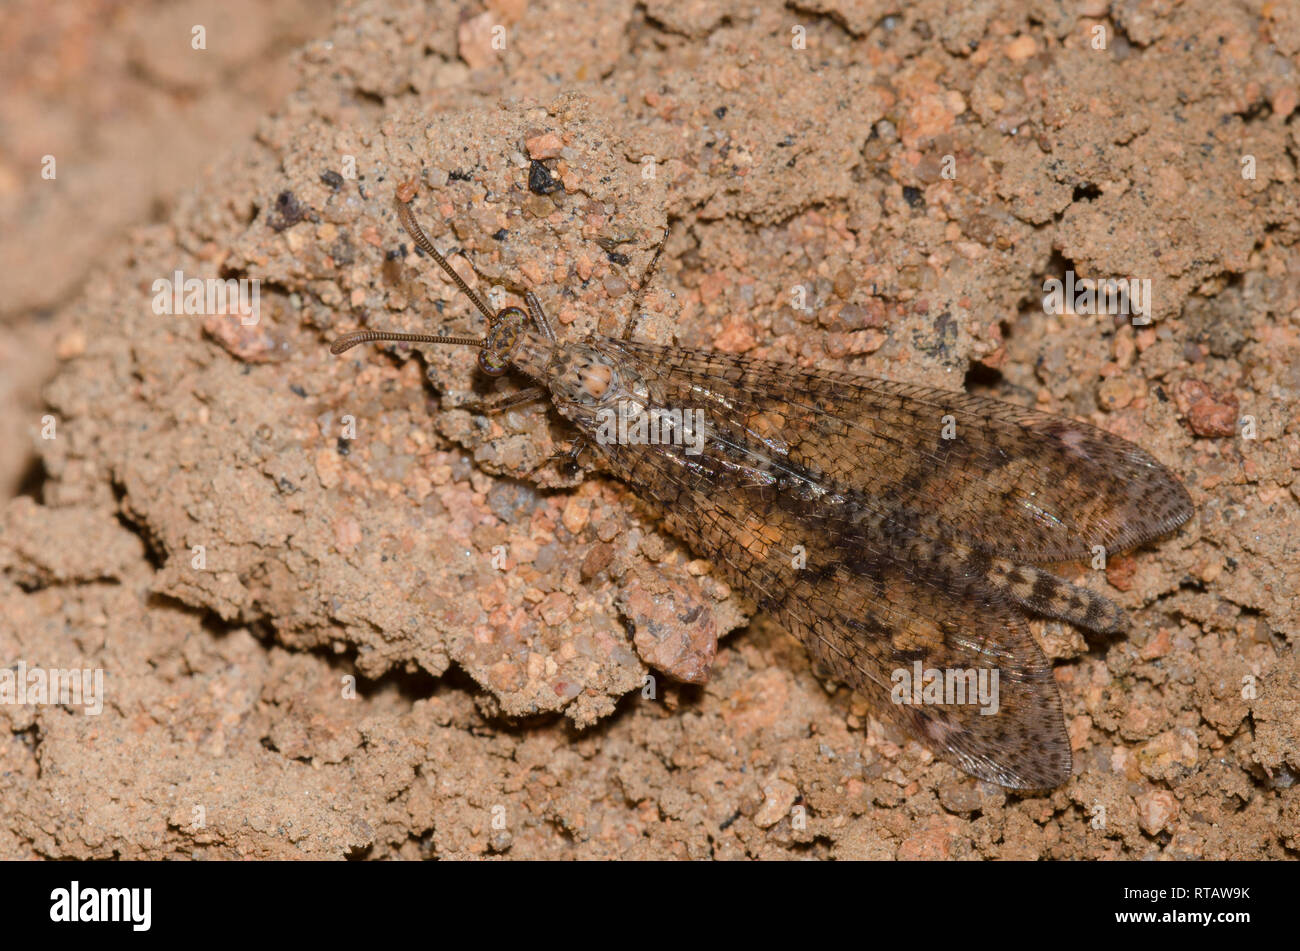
column 481, row 611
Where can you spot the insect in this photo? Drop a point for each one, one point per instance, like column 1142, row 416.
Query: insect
column 896, row 529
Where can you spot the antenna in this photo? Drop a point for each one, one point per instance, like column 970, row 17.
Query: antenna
column 420, row 238
column 356, row 337
column 505, row 329
column 350, row 340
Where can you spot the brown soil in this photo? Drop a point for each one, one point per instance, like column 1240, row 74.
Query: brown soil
column 480, row 612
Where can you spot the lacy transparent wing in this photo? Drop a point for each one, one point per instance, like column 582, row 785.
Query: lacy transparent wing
column 872, row 601
column 879, row 598
column 1008, row 480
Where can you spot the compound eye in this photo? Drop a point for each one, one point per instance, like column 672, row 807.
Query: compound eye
column 502, row 336
column 492, row 363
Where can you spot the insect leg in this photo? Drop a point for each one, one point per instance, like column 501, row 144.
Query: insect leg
column 539, row 316
column 633, row 317
column 504, row 401
column 570, row 455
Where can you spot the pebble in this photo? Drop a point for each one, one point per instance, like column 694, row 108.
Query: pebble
column 71, row 344
column 575, row 514
column 1208, row 413
column 1156, row 810
column 1021, row 48
column 474, row 40
column 545, row 146
column 328, row 467
column 556, row 608
column 1116, row 392
column 778, row 797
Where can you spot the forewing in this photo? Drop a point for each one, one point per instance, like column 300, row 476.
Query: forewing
column 870, row 597
column 1012, row 481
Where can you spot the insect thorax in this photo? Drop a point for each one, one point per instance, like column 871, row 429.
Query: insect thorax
column 588, row 383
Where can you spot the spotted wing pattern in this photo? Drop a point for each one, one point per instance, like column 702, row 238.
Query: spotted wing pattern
column 892, row 546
